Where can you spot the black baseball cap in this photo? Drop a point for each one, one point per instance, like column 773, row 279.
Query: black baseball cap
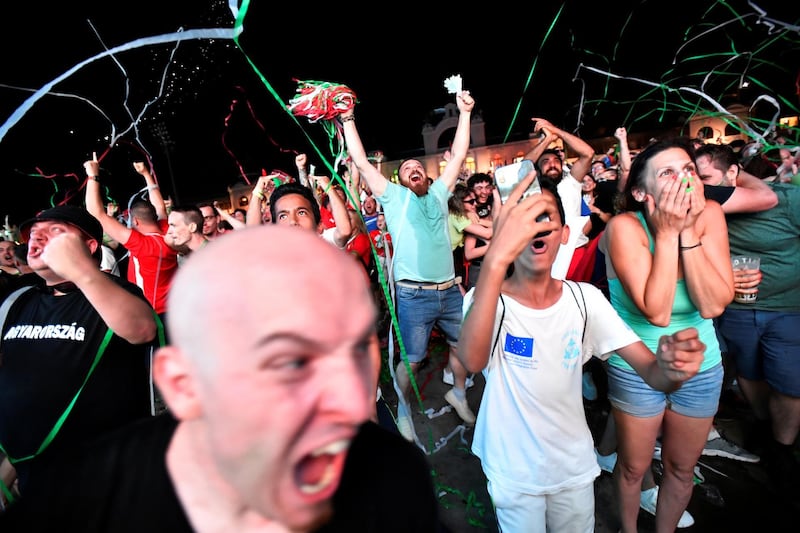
column 70, row 214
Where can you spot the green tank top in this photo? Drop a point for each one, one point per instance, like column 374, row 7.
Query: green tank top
column 684, row 315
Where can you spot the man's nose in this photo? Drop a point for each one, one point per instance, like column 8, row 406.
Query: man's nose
column 348, row 395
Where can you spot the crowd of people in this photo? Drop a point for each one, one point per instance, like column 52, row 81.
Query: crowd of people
column 256, row 403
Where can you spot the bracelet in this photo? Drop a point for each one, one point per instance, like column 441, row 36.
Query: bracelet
column 682, row 248
column 94, row 178
column 151, row 187
column 259, row 195
column 347, row 118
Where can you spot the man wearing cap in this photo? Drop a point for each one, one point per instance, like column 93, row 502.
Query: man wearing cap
column 73, row 348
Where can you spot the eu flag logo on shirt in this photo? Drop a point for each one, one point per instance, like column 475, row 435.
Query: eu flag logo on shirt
column 519, row 345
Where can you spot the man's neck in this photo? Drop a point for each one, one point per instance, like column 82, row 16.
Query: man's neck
column 210, row 503
column 197, row 242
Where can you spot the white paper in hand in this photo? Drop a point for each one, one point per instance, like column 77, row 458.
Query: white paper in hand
column 453, row 84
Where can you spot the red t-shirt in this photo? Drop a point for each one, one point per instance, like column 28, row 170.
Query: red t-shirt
column 152, row 265
column 360, row 247
column 378, row 242
column 326, row 217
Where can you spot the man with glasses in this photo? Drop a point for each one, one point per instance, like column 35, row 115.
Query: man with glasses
column 210, row 221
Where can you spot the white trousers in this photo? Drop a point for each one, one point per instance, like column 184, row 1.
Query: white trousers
column 567, row 511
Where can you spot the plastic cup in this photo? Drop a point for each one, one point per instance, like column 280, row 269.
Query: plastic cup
column 745, row 262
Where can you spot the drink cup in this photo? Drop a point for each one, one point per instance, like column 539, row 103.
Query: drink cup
column 744, row 262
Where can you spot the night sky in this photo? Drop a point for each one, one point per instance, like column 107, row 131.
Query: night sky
column 205, row 117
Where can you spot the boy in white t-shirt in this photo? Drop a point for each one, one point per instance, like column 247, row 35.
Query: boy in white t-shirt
column 530, row 334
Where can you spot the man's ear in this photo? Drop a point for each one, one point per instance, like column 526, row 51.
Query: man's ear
column 565, row 234
column 192, row 227
column 93, row 245
column 176, row 383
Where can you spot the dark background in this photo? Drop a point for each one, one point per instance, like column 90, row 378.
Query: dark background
column 216, row 121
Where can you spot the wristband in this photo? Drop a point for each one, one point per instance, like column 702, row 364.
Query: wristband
column 151, row 187
column 683, row 248
column 347, row 118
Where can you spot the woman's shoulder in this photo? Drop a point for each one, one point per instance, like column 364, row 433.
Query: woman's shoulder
column 623, row 221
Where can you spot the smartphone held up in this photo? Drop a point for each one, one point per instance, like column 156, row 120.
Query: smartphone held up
column 508, row 176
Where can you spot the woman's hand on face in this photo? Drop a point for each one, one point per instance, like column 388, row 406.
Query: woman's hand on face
column 669, row 211
column 697, row 199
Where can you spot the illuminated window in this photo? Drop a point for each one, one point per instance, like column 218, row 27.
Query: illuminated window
column 705, row 133
column 470, row 164
column 497, row 161
column 788, row 122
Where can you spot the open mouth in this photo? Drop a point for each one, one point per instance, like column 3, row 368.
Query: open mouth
column 319, row 472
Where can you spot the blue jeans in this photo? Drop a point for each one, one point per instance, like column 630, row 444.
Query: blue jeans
column 698, row 397
column 419, row 310
column 765, row 345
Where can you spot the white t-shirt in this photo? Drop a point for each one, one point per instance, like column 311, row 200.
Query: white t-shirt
column 327, row 235
column 571, row 192
column 531, row 433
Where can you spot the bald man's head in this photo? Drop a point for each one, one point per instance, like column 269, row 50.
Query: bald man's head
column 255, row 275
column 272, row 369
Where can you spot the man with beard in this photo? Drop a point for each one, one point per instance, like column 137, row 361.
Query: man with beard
column 569, row 183
column 426, row 288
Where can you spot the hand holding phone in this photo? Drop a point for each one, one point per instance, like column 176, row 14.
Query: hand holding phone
column 507, row 177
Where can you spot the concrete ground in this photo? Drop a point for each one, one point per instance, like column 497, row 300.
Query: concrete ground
column 735, row 496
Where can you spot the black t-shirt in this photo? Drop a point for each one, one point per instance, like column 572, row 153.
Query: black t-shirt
column 605, row 193
column 720, row 193
column 120, row 484
column 49, row 346
column 484, row 210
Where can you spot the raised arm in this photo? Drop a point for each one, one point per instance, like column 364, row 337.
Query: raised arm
column 353, row 181
column 94, row 204
column 458, row 151
column 578, row 146
column 546, row 138
column 235, row 224
column 301, row 162
column 621, row 134
column 339, row 211
column 153, row 191
column 258, row 199
column 370, row 173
